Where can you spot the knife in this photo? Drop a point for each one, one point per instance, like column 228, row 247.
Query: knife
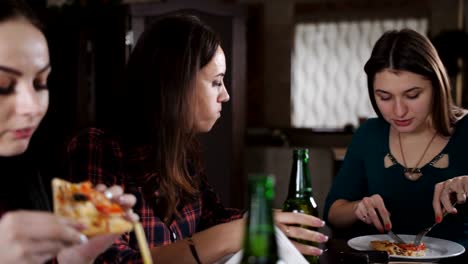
column 395, row 237
column 390, row 233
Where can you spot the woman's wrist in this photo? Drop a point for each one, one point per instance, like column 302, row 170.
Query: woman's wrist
column 355, row 207
column 235, row 230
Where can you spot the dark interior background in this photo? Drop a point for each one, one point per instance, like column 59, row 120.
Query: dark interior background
column 90, row 41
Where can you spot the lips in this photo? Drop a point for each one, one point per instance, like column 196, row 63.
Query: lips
column 403, row 123
column 23, row 133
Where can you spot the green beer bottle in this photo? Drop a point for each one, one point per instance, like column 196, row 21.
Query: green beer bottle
column 300, row 197
column 259, row 240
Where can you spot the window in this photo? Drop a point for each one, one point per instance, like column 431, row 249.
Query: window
column 329, row 87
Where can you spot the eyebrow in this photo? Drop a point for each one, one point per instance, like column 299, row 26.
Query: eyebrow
column 18, row 73
column 407, row 91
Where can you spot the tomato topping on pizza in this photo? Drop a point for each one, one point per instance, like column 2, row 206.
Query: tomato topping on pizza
column 81, row 202
column 397, row 249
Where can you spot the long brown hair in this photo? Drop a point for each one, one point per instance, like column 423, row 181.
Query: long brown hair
column 407, row 50
column 158, row 101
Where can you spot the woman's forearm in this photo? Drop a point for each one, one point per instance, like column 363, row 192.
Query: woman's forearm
column 211, row 245
column 342, row 214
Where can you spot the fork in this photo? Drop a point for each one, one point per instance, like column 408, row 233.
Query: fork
column 420, row 235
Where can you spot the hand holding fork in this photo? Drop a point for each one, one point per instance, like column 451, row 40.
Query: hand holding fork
column 420, row 235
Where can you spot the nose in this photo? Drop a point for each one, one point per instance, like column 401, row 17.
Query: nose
column 400, row 108
column 224, row 95
column 27, row 101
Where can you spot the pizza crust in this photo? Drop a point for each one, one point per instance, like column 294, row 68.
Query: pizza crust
column 81, row 202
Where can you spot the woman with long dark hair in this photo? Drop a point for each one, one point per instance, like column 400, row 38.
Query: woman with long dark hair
column 30, row 234
column 174, row 91
column 408, row 166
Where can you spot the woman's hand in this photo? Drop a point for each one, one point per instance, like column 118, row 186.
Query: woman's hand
column 369, row 209
column 35, row 237
column 126, row 201
column 448, row 192
column 292, row 225
column 86, row 253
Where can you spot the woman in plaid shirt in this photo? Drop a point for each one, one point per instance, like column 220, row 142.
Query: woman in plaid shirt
column 173, row 91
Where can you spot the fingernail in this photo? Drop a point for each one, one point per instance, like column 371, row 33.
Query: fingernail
column 324, row 238
column 454, row 211
column 438, row 219
column 320, row 251
column 83, row 239
column 323, row 223
column 108, row 195
column 80, row 226
column 387, row 227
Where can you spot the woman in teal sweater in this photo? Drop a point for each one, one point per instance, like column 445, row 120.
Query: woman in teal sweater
column 407, row 167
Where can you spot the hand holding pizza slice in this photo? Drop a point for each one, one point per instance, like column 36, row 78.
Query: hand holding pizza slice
column 86, row 205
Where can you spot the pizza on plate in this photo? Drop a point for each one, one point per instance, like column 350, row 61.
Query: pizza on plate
column 81, row 202
column 397, row 249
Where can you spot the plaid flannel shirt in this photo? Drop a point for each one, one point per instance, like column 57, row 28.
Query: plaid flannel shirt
column 96, row 156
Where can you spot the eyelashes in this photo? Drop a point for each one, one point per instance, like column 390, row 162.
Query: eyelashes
column 38, row 85
column 7, row 89
column 384, row 98
column 218, row 85
column 413, row 96
column 387, row 98
column 10, row 88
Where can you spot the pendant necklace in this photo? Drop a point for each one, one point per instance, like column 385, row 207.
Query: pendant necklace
column 415, row 173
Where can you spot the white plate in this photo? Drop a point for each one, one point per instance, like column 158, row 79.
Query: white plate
column 436, row 248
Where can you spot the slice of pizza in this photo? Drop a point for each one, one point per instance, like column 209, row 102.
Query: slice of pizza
column 396, row 249
column 81, row 202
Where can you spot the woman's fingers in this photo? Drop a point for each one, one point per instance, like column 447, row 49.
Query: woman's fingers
column 375, row 220
column 436, row 201
column 43, row 258
column 100, row 187
column 294, row 225
column 126, row 201
column 132, row 216
column 384, row 216
column 45, row 247
column 88, row 251
column 448, row 192
column 114, row 192
column 40, row 226
column 372, row 214
column 307, row 249
column 360, row 211
column 372, row 210
column 305, row 234
column 290, row 218
column 457, row 189
column 33, row 251
column 35, row 237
